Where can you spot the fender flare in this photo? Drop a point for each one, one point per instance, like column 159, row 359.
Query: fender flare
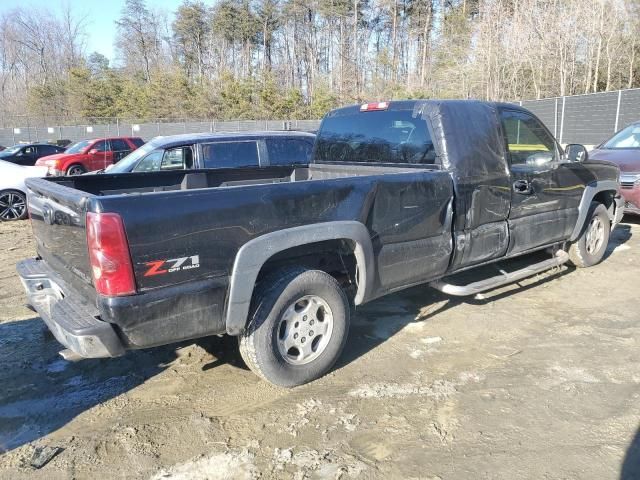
column 590, row 191
column 255, row 253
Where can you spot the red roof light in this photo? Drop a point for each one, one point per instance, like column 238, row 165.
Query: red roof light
column 372, row 107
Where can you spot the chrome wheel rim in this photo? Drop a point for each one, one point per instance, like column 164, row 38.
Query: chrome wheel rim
column 12, row 206
column 304, row 330
column 595, row 235
column 75, row 171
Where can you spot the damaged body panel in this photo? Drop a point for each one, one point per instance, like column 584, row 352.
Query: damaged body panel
column 407, row 193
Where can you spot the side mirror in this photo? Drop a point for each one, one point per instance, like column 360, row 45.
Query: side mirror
column 576, row 153
column 93, row 151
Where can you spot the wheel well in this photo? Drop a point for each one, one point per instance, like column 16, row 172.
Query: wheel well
column 606, row 198
column 335, row 257
column 76, row 164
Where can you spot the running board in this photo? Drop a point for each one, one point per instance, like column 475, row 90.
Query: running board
column 561, row 257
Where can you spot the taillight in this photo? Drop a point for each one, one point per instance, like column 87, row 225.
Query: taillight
column 373, row 107
column 109, row 255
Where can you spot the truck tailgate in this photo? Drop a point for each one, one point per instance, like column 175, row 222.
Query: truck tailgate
column 58, row 218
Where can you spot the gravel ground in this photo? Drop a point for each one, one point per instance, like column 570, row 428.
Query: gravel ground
column 538, row 380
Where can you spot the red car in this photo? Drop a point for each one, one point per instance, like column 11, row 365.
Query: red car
column 623, row 149
column 90, row 155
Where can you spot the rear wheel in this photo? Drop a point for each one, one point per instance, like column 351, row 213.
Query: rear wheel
column 13, row 205
column 591, row 245
column 298, row 326
column 75, row 170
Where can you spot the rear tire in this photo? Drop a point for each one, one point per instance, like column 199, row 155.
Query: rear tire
column 297, row 327
column 75, row 170
column 13, row 205
column 591, row 245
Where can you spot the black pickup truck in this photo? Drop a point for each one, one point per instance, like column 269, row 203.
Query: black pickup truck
column 398, row 194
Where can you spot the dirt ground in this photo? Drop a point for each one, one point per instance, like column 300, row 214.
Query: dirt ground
column 538, row 380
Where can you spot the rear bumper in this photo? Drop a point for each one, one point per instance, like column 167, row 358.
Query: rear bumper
column 74, row 323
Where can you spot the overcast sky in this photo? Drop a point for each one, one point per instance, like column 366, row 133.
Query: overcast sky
column 100, row 16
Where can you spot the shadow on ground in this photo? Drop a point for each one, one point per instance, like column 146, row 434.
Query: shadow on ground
column 41, row 392
column 631, row 463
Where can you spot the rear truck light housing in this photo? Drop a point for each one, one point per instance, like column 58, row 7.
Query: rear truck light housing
column 374, row 107
column 109, row 257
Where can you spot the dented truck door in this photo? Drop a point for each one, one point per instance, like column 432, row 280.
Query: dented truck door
column 546, row 190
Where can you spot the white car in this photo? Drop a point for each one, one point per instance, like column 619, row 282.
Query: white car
column 13, row 198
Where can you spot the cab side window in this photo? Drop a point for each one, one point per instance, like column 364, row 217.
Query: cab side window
column 528, row 141
column 289, row 151
column 230, row 154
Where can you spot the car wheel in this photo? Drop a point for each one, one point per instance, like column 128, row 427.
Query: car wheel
column 590, row 246
column 75, row 170
column 297, row 327
column 13, row 205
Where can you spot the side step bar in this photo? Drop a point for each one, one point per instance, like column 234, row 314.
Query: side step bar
column 561, row 257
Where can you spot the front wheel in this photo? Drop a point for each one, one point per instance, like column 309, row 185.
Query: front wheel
column 13, row 205
column 75, row 170
column 297, row 327
column 591, row 245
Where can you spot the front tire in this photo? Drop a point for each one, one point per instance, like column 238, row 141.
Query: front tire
column 13, row 205
column 75, row 170
column 591, row 245
column 297, row 327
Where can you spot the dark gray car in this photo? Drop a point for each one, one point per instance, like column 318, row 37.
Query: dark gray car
column 219, row 150
column 28, row 154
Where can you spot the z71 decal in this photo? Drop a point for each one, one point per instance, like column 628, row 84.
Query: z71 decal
column 160, row 267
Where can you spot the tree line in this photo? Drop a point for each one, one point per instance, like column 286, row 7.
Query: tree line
column 274, row 59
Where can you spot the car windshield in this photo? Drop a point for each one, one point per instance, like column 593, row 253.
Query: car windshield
column 78, row 147
column 626, row 138
column 10, row 151
column 127, row 163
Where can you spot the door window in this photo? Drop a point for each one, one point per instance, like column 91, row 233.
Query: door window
column 100, row 146
column 177, row 159
column 230, row 154
column 150, row 163
column 528, row 141
column 288, row 151
column 29, row 151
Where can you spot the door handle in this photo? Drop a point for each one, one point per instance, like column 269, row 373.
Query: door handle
column 522, row 186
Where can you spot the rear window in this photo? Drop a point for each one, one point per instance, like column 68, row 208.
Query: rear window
column 288, row 151
column 230, row 154
column 393, row 136
column 138, row 142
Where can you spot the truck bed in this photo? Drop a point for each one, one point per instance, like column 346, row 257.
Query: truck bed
column 210, row 215
column 106, row 184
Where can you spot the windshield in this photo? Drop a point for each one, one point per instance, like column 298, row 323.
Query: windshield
column 626, row 138
column 127, row 163
column 78, row 147
column 10, row 151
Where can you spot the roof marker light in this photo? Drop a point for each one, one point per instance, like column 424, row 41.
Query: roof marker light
column 372, row 107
